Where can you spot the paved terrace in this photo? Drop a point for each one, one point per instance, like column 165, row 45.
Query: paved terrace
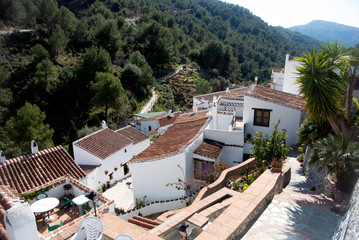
column 296, row 213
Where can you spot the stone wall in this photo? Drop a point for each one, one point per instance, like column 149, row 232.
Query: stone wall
column 319, row 179
column 349, row 226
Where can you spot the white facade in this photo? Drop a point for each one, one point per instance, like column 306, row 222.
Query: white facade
column 290, row 76
column 290, row 118
column 149, row 178
column 148, row 125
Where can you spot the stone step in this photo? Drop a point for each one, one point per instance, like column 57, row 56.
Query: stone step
column 147, row 220
column 142, row 224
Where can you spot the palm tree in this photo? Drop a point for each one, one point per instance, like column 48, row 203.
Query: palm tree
column 322, row 88
column 341, row 156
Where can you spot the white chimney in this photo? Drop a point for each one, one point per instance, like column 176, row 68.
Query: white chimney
column 34, row 147
column 170, row 114
column 2, row 156
column 20, row 223
column 214, row 100
column 286, row 58
column 227, row 90
column 103, row 124
column 256, row 80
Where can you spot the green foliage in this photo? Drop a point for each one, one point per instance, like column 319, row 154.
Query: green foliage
column 32, row 195
column 46, row 75
column 341, row 156
column 107, row 89
column 39, row 52
column 26, row 126
column 270, row 148
column 140, row 202
column 311, row 131
column 57, row 41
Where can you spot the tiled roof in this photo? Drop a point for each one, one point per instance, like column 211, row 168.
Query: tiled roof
column 278, row 70
column 103, row 143
column 132, row 133
column 147, row 115
column 236, row 94
column 209, row 148
column 32, row 171
column 271, row 95
column 175, row 139
column 164, row 121
column 193, row 116
column 153, row 132
column 155, row 117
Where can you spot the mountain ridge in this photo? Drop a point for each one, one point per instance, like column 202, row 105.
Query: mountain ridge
column 329, row 31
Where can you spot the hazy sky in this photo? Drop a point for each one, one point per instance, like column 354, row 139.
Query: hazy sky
column 288, row 13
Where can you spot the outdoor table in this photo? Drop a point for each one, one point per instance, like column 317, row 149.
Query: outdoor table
column 45, row 205
column 79, row 201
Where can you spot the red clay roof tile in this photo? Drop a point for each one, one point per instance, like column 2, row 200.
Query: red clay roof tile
column 271, row 95
column 132, row 133
column 103, row 143
column 34, row 170
column 167, row 120
column 176, row 138
column 209, row 148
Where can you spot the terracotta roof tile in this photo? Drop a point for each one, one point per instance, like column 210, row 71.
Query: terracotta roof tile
column 167, row 120
column 192, row 116
column 175, row 139
column 209, row 148
column 271, row 95
column 155, row 117
column 88, row 168
column 103, row 143
column 132, row 133
column 278, row 70
column 236, row 94
column 34, row 170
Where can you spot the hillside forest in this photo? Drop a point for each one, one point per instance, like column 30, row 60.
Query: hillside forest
column 81, row 62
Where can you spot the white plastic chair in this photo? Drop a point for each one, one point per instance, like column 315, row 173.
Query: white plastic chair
column 124, row 237
column 91, row 228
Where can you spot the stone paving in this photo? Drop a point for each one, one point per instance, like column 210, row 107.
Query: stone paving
column 296, row 213
column 122, row 195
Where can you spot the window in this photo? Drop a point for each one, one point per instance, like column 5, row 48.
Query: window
column 261, row 117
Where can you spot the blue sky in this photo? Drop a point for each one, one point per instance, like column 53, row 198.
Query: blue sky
column 288, row 13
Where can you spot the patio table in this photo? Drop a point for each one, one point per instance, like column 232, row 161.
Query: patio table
column 44, row 206
column 79, row 201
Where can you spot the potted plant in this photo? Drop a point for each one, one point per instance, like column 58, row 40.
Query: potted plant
column 300, row 157
column 106, row 172
column 277, row 165
column 115, row 169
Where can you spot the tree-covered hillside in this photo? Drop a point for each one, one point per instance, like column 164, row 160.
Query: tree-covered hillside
column 83, row 61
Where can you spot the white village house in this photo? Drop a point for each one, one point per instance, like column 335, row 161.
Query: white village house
column 221, row 132
column 157, row 124
column 104, row 154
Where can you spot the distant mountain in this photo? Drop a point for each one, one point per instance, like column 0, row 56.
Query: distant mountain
column 324, row 31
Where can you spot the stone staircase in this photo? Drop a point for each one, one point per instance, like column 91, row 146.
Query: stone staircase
column 143, row 222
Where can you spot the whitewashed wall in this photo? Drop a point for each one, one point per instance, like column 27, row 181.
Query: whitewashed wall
column 290, row 118
column 278, row 78
column 150, row 178
column 141, row 146
column 189, row 168
column 227, row 137
column 224, row 121
column 83, row 157
column 232, row 155
column 163, row 129
column 290, row 75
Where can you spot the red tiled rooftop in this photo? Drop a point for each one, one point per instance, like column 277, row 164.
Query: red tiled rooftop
column 132, row 133
column 103, row 143
column 278, row 70
column 271, row 95
column 209, row 148
column 174, row 139
column 236, row 94
column 164, row 121
column 34, row 170
column 192, row 116
column 88, row 168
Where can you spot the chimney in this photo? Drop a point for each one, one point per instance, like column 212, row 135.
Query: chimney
column 103, row 124
column 2, row 157
column 34, row 147
column 227, row 90
column 286, row 58
column 256, row 80
column 214, row 100
column 170, row 114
